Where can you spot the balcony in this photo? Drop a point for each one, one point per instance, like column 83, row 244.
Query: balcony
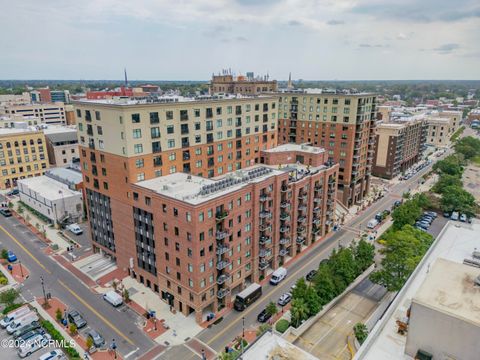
column 329, row 202
column 284, row 229
column 302, row 219
column 302, row 208
column 284, row 216
column 265, row 227
column 222, row 293
column 284, row 241
column 303, row 197
column 328, row 222
column 265, row 214
column 222, row 249
column 222, row 278
column 265, row 197
column 317, row 210
column 222, row 264
column 283, row 252
column 284, row 188
column 316, row 230
column 318, row 187
column 301, row 229
column 284, row 204
column 265, row 240
column 221, row 215
column 317, row 200
column 300, row 240
column 265, row 253
column 316, row 221
column 222, row 234
column 262, row 265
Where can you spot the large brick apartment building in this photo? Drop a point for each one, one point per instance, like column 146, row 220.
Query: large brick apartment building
column 342, row 124
column 194, row 198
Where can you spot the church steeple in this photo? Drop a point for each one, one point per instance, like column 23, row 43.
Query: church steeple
column 290, row 85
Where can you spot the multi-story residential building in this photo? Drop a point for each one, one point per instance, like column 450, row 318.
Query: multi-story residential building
column 177, row 196
column 45, row 95
column 47, row 113
column 23, row 154
column 343, row 124
column 18, row 121
column 62, row 145
column 246, row 85
column 439, row 131
column 399, row 145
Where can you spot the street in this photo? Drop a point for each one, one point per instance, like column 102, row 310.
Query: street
column 119, row 324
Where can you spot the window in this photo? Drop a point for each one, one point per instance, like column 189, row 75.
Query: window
column 135, row 118
column 172, row 156
column 139, row 163
column 97, row 115
column 154, row 119
column 170, row 129
column 169, row 115
column 155, row 132
column 171, row 143
column 140, row 176
column 137, row 133
column 138, row 148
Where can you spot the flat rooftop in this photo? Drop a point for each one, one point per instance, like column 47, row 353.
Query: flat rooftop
column 65, row 175
column 272, row 346
column 49, row 188
column 168, row 99
column 450, row 288
column 296, row 147
column 456, row 242
column 195, row 189
column 14, row 131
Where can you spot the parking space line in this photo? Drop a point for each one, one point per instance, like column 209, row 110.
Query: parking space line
column 25, row 249
column 100, row 316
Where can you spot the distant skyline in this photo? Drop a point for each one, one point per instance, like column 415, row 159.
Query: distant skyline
column 191, row 39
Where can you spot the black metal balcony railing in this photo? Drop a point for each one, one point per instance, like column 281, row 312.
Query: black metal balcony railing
column 302, row 219
column 300, row 240
column 222, row 293
column 265, row 240
column 222, row 264
column 284, row 241
column 265, row 197
column 263, row 265
column 265, row 214
column 284, row 188
column 284, row 229
column 284, row 204
column 283, row 252
column 317, row 210
column 222, row 249
column 222, row 278
column 221, row 215
column 284, row 216
column 302, row 207
column 317, row 200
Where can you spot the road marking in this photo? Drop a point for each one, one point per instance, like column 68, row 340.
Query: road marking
column 267, row 295
column 88, row 306
column 131, row 353
column 25, row 249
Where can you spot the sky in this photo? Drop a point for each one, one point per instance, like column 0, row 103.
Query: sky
column 191, row 39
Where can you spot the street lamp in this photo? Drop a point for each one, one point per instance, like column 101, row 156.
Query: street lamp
column 43, row 289
column 114, row 348
column 243, row 326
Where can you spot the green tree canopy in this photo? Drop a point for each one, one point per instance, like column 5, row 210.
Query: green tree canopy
column 364, row 254
column 445, row 181
column 468, row 146
column 451, row 165
column 455, row 198
column 299, row 311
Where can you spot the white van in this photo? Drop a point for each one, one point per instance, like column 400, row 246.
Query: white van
column 372, row 223
column 75, row 229
column 455, row 216
column 26, row 319
column 113, row 298
column 33, row 344
column 278, row 275
column 12, row 315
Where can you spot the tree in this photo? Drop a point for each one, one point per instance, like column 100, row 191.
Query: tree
column 468, row 146
column 451, row 165
column 73, row 329
column 455, row 198
column 364, row 254
column 8, row 297
column 343, row 265
column 312, row 300
column 298, row 311
column 402, row 252
column 271, row 308
column 263, row 329
column 20, row 209
column 58, row 314
column 445, row 181
column 89, row 342
column 300, row 289
column 407, row 213
column 126, row 296
column 361, row 332
column 4, row 254
column 324, row 284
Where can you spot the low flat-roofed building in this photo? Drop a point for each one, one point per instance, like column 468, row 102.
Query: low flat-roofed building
column 53, row 113
column 62, row 144
column 272, row 346
column 445, row 313
column 52, row 198
column 436, row 291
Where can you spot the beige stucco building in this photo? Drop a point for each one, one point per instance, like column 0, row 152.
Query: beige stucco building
column 47, row 113
column 23, row 154
column 62, row 145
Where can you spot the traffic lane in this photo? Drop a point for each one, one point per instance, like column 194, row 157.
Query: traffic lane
column 59, row 282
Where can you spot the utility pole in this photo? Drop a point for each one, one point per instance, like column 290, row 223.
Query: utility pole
column 43, row 289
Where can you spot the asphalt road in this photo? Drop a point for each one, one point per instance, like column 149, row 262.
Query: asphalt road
column 231, row 326
column 112, row 323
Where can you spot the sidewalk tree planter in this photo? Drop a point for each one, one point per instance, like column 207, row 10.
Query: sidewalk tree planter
column 263, row 329
column 282, row 325
column 8, row 297
column 73, row 329
column 58, row 315
column 56, row 335
column 361, row 332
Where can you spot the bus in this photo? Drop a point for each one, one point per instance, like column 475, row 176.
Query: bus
column 247, row 296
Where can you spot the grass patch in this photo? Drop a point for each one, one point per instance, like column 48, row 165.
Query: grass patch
column 11, row 308
column 476, row 160
column 457, row 133
column 282, row 325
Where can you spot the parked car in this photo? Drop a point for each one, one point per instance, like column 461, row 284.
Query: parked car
column 372, row 223
column 13, row 192
column 379, row 217
column 14, row 314
column 397, row 203
column 431, row 213
column 11, row 257
column 25, row 329
column 284, row 299
column 98, row 340
column 263, row 316
column 53, row 355
column 311, row 275
column 6, row 212
column 75, row 229
column 113, row 298
column 74, row 317
column 27, row 319
column 446, row 214
column 419, row 224
column 454, row 216
column 278, row 275
column 33, row 344
column 30, row 334
column 463, row 218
